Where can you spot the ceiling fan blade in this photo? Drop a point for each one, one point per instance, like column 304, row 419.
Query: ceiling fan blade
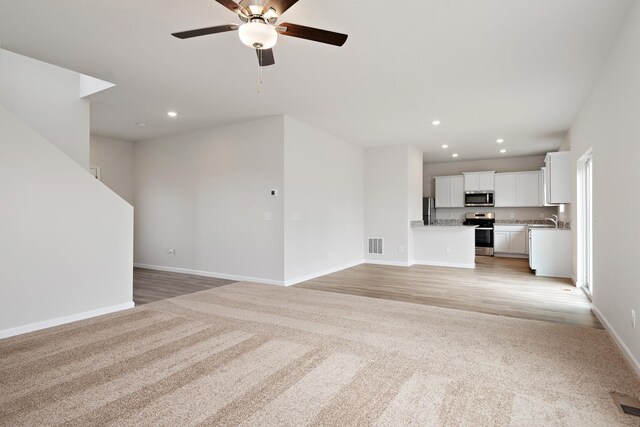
column 232, row 6
column 265, row 57
column 280, row 6
column 205, row 31
column 314, row 34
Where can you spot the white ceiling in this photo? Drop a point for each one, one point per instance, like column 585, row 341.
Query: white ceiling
column 516, row 69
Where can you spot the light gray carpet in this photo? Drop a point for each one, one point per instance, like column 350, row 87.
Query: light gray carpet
column 248, row 354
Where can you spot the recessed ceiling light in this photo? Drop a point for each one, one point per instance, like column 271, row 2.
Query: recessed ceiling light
column 141, row 124
column 454, row 155
column 503, row 151
column 445, row 146
column 435, row 122
column 500, row 141
column 172, row 114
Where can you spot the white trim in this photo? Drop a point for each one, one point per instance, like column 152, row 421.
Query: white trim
column 616, row 338
column 580, row 221
column 211, row 274
column 446, row 264
column 507, row 255
column 383, row 262
column 98, row 174
column 31, row 327
column 321, row 273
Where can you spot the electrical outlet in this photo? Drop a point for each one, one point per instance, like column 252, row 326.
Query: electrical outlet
column 633, row 318
column 512, row 215
column 541, row 215
column 267, row 216
column 274, row 192
column 171, row 252
column 400, row 248
column 448, row 249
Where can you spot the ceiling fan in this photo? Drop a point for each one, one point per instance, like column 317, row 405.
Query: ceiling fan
column 259, row 30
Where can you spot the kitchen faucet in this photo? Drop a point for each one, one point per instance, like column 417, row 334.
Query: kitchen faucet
column 554, row 220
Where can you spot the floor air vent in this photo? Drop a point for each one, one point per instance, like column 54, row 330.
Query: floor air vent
column 628, row 405
column 375, row 245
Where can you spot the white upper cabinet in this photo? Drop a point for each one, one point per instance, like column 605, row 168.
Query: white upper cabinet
column 449, row 191
column 442, row 191
column 505, row 193
column 479, row 181
column 528, row 189
column 517, row 189
column 557, row 177
column 457, row 191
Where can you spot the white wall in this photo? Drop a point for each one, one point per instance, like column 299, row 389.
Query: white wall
column 510, row 164
column 67, row 240
column 205, row 194
column 609, row 124
column 323, row 202
column 115, row 158
column 392, row 199
column 47, row 98
column 415, row 183
column 414, row 193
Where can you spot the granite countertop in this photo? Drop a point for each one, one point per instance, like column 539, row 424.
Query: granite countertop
column 550, row 228
column 457, row 223
column 444, row 227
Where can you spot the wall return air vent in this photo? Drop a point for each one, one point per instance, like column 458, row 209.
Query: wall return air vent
column 628, row 405
column 376, row 245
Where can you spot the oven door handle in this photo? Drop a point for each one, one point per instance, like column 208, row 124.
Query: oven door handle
column 484, row 228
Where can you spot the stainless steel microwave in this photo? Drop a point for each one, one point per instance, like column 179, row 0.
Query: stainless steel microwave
column 479, row 199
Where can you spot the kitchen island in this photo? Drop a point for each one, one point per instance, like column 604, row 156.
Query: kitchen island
column 444, row 245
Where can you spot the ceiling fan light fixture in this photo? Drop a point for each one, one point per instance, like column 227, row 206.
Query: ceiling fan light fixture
column 258, row 35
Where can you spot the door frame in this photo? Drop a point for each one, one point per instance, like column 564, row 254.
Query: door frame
column 584, row 216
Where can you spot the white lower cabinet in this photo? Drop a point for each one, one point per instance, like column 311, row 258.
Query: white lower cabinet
column 518, row 242
column 550, row 252
column 501, row 241
column 510, row 239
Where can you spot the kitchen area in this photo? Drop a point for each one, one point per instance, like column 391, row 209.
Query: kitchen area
column 504, row 212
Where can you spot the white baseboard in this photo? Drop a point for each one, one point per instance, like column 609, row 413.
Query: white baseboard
column 321, row 273
column 633, row 362
column 383, row 262
column 211, row 274
column 31, row 327
column 445, row 264
column 503, row 255
column 575, row 282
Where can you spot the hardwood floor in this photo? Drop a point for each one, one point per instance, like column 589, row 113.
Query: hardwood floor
column 153, row 285
column 502, row 286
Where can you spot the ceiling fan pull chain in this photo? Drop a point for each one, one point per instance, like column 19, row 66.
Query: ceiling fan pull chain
column 259, row 88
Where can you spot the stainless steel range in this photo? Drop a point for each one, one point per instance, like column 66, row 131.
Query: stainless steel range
column 484, row 231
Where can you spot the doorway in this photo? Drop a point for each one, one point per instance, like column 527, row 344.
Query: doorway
column 585, row 222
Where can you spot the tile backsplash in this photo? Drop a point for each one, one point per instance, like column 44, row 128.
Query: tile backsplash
column 539, row 213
